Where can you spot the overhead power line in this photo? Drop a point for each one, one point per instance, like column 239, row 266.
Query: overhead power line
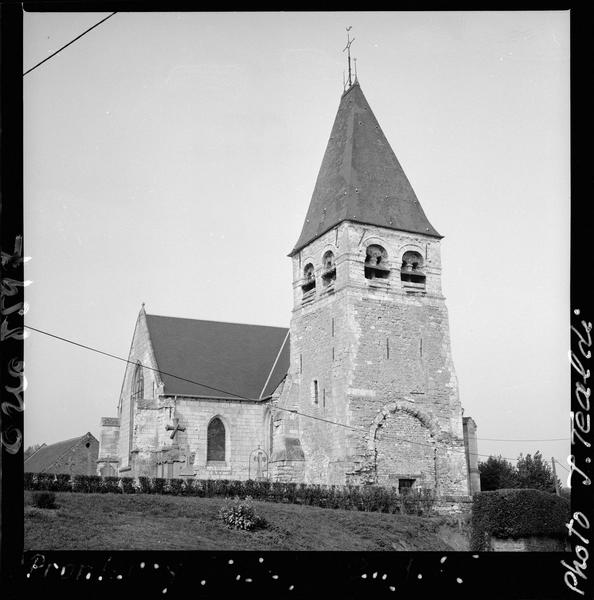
column 135, row 363
column 561, row 465
column 506, row 440
column 68, row 44
column 240, row 397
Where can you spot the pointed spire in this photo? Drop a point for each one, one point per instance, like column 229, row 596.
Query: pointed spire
column 360, row 178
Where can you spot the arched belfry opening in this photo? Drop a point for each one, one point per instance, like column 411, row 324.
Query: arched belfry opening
column 308, row 285
column 376, row 262
column 412, row 272
column 329, row 268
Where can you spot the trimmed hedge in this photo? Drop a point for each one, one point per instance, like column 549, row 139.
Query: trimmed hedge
column 364, row 498
column 515, row 513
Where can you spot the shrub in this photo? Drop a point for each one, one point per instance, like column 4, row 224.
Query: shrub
column 517, row 513
column 233, row 488
column 156, row 485
column 127, row 485
column 144, row 485
column 61, row 483
column 110, row 485
column 368, row 498
column 187, row 488
column 277, row 491
column 28, row 481
column 42, row 481
column 86, row 483
column 240, row 514
column 218, row 487
column 44, row 499
column 176, row 487
column 417, row 502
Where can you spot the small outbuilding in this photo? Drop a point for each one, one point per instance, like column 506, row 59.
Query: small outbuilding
column 76, row 456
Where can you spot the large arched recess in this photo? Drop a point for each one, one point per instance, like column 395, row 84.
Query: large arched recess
column 402, row 443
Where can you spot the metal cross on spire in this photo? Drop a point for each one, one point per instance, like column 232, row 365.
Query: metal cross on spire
column 348, row 49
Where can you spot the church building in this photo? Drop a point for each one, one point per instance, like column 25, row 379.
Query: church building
column 361, row 389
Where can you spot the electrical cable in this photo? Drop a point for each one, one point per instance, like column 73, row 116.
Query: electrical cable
column 68, row 44
column 240, row 397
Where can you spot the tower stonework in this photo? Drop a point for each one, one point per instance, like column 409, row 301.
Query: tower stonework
column 369, row 336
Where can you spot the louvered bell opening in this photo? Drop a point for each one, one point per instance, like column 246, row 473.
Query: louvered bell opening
column 329, row 276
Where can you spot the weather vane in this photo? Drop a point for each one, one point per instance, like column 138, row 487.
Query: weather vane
column 348, row 49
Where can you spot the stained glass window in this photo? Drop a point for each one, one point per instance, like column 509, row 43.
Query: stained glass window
column 215, row 441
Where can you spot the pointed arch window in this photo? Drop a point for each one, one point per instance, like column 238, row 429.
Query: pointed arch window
column 376, row 262
column 412, row 273
column 215, row 441
column 137, row 393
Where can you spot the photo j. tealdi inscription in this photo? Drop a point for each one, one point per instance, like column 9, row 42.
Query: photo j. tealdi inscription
column 575, row 575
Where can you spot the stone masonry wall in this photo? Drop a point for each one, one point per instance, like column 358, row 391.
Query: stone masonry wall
column 142, row 421
column 109, row 442
column 157, row 454
column 81, row 459
column 370, row 344
column 471, row 446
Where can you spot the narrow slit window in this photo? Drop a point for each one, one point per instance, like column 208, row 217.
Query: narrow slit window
column 315, row 391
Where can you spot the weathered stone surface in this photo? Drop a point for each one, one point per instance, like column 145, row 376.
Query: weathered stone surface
column 371, row 355
column 471, row 447
column 370, row 368
column 378, row 354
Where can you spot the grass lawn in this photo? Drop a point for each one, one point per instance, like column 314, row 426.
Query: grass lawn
column 152, row 522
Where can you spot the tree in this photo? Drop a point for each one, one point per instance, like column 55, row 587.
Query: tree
column 535, row 473
column 497, row 473
column 30, row 450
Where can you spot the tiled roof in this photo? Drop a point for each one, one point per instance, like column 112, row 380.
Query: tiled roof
column 236, row 358
column 360, row 178
column 46, row 456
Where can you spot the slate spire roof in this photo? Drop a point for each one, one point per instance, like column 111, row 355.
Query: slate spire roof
column 360, row 178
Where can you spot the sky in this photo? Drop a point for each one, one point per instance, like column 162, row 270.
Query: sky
column 169, row 158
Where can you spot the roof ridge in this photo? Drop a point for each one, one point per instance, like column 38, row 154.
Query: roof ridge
column 218, row 322
column 43, row 445
column 274, row 364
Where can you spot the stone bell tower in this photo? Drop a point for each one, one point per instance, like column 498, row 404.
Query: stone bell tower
column 370, row 344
